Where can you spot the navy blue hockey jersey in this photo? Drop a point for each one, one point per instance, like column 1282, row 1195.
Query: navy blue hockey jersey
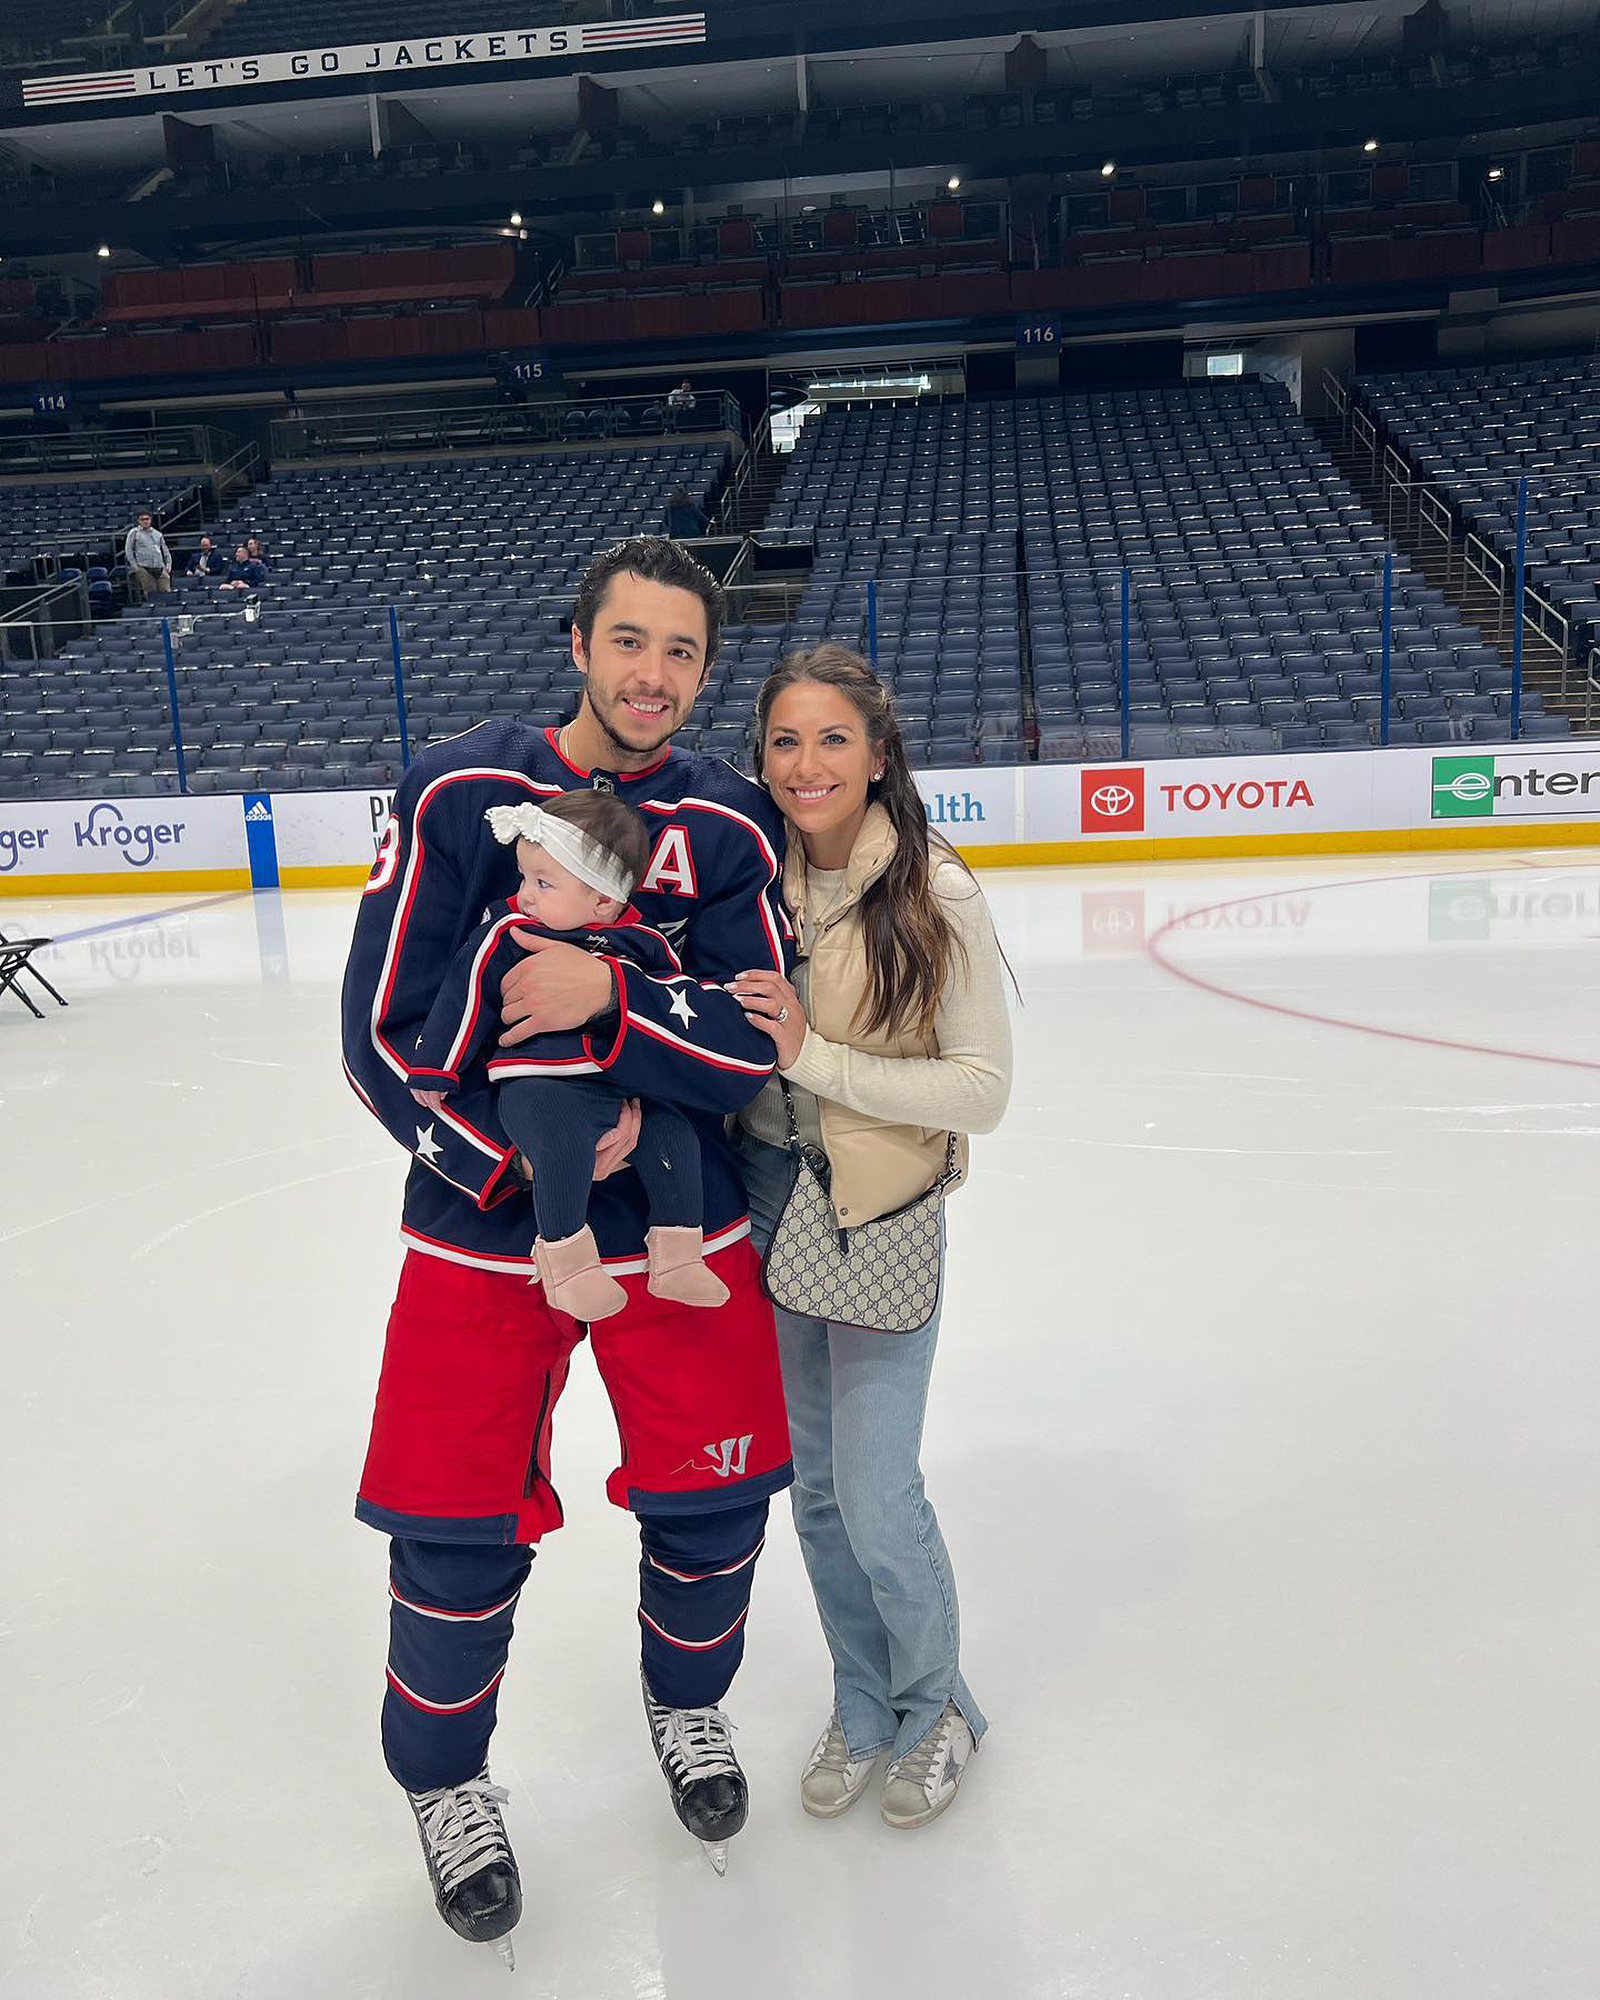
column 464, row 1022
column 712, row 889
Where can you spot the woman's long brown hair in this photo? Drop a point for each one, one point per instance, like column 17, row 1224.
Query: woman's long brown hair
column 911, row 947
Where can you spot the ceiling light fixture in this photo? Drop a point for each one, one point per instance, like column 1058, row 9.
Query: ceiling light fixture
column 516, row 218
column 1108, row 170
column 1371, row 146
column 104, row 250
column 1497, row 173
column 953, row 183
column 658, row 206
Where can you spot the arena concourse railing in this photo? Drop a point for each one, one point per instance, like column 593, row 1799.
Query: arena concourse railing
column 113, row 450
column 311, row 433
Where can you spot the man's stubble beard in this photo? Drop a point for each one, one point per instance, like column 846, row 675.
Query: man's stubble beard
column 621, row 742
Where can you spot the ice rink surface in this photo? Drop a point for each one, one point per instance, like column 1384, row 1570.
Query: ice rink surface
column 1264, row 1434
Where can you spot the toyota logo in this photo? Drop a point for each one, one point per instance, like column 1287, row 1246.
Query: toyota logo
column 1112, row 801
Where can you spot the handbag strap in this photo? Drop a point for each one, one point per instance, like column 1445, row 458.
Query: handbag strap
column 951, row 1174
column 794, row 1141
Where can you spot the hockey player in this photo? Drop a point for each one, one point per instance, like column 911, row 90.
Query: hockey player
column 458, row 1464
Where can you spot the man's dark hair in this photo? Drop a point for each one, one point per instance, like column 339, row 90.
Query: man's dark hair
column 605, row 818
column 656, row 560
column 143, row 511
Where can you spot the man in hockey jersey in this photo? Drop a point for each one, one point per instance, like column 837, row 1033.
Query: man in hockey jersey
column 458, row 1466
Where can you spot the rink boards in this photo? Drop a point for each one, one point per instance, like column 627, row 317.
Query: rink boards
column 1342, row 802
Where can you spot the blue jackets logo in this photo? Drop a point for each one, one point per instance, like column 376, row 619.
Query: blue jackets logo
column 136, row 841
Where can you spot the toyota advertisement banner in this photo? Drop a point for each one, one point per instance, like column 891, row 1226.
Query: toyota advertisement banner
column 1197, row 797
column 1045, row 812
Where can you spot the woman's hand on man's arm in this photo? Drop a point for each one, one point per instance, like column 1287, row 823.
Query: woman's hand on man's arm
column 772, row 1005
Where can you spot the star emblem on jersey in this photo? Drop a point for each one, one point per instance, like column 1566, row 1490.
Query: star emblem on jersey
column 428, row 1148
column 680, row 1006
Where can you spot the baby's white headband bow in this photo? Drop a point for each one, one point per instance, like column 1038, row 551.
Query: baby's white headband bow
column 586, row 858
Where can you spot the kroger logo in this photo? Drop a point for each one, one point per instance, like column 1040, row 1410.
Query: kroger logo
column 135, row 840
column 16, row 841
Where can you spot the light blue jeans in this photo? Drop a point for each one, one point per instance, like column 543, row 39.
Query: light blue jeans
column 877, row 1561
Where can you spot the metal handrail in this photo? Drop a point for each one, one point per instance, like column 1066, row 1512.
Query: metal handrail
column 738, row 486
column 310, row 433
column 1364, row 433
column 41, row 629
column 80, row 451
column 1338, row 394
column 245, row 463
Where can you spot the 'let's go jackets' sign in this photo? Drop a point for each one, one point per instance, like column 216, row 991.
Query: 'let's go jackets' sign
column 358, row 59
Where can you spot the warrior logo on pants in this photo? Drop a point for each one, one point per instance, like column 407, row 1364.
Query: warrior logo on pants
column 727, row 1457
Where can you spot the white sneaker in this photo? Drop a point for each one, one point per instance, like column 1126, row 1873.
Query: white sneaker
column 833, row 1780
column 919, row 1785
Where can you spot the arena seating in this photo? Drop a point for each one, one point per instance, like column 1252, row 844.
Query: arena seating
column 1474, row 432
column 482, row 557
column 1256, row 576
column 990, row 533
column 35, row 519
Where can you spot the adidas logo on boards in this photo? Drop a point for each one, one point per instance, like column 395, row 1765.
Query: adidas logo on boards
column 259, row 811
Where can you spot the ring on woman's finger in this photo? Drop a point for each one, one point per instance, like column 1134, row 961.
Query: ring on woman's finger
column 783, row 1015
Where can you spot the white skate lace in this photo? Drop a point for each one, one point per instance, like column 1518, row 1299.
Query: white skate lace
column 924, row 1766
column 463, row 1828
column 695, row 1742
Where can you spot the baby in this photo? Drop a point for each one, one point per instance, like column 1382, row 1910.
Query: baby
column 581, row 855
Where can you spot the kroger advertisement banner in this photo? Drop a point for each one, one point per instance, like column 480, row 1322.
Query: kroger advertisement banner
column 120, row 843
column 367, row 59
column 1349, row 800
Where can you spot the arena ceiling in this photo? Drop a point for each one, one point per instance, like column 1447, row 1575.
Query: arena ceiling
column 1317, row 34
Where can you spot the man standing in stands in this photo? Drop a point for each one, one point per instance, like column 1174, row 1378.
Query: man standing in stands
column 681, row 404
column 148, row 558
column 458, row 1465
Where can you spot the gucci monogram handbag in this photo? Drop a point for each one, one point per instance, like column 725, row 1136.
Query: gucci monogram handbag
column 883, row 1274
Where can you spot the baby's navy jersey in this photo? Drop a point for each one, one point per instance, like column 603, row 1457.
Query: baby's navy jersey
column 712, row 890
column 464, row 1023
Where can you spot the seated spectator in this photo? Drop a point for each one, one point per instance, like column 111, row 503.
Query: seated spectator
column 246, row 571
column 148, row 558
column 684, row 518
column 257, row 553
column 207, row 560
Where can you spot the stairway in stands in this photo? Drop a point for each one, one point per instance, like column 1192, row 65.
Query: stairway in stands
column 1542, row 665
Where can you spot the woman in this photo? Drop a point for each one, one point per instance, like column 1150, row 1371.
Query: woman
column 893, row 1035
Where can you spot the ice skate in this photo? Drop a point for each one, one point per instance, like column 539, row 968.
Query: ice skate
column 574, row 1280
column 920, row 1785
column 709, row 1793
column 678, row 1268
column 474, row 1873
column 833, row 1780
